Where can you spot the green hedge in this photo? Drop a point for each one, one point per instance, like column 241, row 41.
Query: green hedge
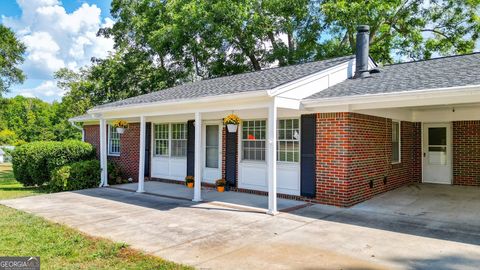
column 34, row 162
column 78, row 175
column 81, row 175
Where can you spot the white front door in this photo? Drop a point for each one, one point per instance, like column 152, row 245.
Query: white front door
column 212, row 134
column 437, row 153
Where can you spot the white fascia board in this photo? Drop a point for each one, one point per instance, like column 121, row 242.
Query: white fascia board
column 183, row 102
column 288, row 103
column 309, row 85
column 425, row 97
column 228, row 105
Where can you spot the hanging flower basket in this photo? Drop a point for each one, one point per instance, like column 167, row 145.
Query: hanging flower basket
column 232, row 121
column 120, row 126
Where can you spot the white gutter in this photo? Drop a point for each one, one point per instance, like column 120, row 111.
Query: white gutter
column 249, row 94
column 395, row 96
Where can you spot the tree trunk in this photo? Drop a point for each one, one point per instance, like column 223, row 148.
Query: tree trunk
column 255, row 63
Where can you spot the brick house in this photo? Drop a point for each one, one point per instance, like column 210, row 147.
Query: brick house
column 336, row 131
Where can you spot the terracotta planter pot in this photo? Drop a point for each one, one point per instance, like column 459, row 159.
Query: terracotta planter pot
column 190, row 185
column 232, row 128
column 220, row 189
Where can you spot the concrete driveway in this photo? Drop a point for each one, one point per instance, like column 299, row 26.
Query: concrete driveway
column 402, row 229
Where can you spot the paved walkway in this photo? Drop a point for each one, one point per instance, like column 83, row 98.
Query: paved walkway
column 214, row 236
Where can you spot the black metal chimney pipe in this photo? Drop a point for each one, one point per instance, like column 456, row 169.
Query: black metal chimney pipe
column 363, row 40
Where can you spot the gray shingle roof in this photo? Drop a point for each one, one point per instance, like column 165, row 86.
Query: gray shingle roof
column 453, row 71
column 252, row 81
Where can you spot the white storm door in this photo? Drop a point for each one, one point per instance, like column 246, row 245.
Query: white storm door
column 437, row 156
column 212, row 170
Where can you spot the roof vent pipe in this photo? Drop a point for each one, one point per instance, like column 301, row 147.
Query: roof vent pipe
column 363, row 39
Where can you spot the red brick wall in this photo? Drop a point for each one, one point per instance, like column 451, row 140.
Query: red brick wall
column 466, row 153
column 129, row 148
column 354, row 149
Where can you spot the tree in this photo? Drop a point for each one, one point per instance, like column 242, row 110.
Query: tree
column 11, row 55
column 32, row 119
column 413, row 29
column 159, row 44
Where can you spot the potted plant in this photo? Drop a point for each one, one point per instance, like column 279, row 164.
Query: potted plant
column 189, row 180
column 232, row 121
column 120, row 125
column 221, row 183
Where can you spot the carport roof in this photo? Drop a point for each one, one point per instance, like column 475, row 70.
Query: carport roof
column 444, row 72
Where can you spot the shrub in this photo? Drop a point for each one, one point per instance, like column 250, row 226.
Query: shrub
column 115, row 175
column 33, row 163
column 78, row 175
column 59, row 179
column 81, row 175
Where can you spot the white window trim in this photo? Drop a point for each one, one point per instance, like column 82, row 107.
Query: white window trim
column 241, row 142
column 110, row 153
column 399, row 141
column 171, row 139
column 154, row 148
column 299, row 140
column 170, row 136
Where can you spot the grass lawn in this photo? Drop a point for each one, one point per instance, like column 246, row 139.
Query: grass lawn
column 9, row 188
column 58, row 246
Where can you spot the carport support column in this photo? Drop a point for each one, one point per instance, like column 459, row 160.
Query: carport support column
column 103, row 153
column 272, row 158
column 141, row 160
column 197, row 191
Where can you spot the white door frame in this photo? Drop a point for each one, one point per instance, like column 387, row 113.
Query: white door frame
column 448, row 125
column 204, row 151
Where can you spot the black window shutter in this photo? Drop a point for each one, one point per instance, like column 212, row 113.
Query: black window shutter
column 307, row 160
column 231, row 158
column 148, row 146
column 191, row 147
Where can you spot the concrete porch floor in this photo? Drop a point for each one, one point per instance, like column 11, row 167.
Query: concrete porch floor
column 237, row 200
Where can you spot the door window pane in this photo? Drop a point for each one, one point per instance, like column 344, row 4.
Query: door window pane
column 437, row 136
column 211, row 146
column 437, row 149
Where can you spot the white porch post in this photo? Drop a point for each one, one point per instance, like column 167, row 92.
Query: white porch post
column 272, row 158
column 141, row 161
column 197, row 192
column 103, row 153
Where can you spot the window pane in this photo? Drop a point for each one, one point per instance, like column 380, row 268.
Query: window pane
column 288, row 140
column 161, row 139
column 437, row 136
column 114, row 141
column 395, row 141
column 253, row 140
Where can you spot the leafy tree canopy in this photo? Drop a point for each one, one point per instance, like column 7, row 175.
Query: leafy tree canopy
column 11, row 55
column 160, row 44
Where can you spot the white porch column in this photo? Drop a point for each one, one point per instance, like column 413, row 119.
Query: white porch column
column 197, row 192
column 141, row 161
column 103, row 153
column 272, row 158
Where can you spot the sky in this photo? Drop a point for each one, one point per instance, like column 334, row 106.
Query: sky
column 57, row 33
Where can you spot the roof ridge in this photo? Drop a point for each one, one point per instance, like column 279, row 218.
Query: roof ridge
column 432, row 59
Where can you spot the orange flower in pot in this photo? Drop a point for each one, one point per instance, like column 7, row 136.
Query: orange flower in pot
column 221, row 183
column 189, row 180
